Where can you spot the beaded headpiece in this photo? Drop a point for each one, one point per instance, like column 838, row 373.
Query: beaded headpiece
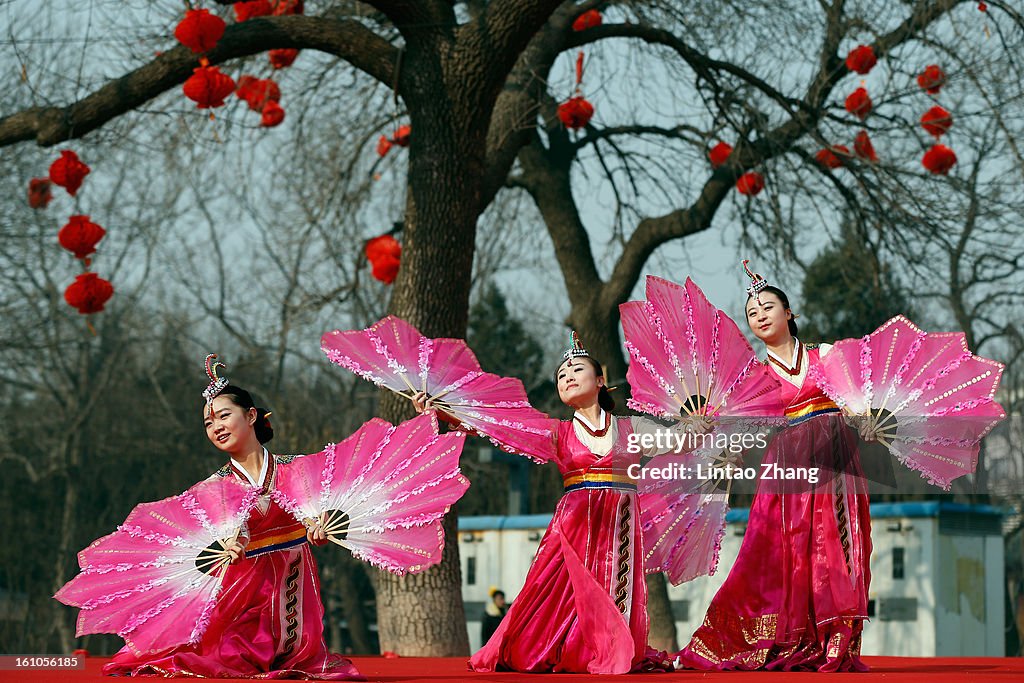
column 757, row 283
column 575, row 349
column 217, row 384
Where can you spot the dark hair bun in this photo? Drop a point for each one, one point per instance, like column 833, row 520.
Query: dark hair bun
column 264, row 431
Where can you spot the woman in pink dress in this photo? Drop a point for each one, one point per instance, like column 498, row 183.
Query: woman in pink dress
column 796, row 598
column 268, row 621
column 583, row 607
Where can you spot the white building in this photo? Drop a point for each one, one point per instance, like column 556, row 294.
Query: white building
column 937, row 576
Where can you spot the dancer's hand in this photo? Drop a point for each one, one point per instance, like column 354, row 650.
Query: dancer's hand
column 236, row 552
column 315, row 532
column 861, row 423
column 697, row 424
column 866, row 431
column 423, row 402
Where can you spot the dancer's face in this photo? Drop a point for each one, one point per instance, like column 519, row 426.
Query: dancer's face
column 228, row 426
column 768, row 318
column 578, row 383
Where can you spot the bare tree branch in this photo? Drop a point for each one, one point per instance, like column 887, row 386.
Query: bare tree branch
column 346, row 39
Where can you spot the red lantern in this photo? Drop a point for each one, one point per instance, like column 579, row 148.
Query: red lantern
column 932, row 79
column 80, row 236
column 208, row 87
column 832, row 157
column 575, row 113
column 401, row 136
column 588, row 19
column 199, row 31
column 863, row 148
column 279, row 59
column 385, row 269
column 88, row 293
column 258, row 91
column 750, row 183
column 859, row 103
column 383, row 146
column 384, row 253
column 68, row 171
column 255, row 8
column 719, row 154
column 383, row 246
column 937, row 121
column 939, row 159
column 861, row 59
column 273, row 114
column 39, row 194
column 283, row 7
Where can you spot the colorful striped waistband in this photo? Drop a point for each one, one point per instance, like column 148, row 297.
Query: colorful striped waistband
column 811, row 408
column 599, row 480
column 288, row 539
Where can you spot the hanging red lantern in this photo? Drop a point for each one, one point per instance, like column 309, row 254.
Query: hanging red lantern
column 719, row 154
column 383, row 246
column 199, row 31
column 385, row 269
column 80, row 236
column 861, row 59
column 384, row 253
column 39, row 194
column 208, row 87
column 255, row 8
column 939, row 159
column 750, row 183
column 258, row 91
column 589, row 19
column 401, row 136
column 575, row 113
column 283, row 7
column 282, row 58
column 88, row 293
column 383, row 145
column 932, row 79
column 833, row 156
column 68, row 171
column 859, row 103
column 273, row 114
column 937, row 121
column 863, row 148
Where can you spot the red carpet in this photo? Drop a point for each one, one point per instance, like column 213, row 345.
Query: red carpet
column 883, row 669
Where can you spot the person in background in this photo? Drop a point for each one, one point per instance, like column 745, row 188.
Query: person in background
column 494, row 611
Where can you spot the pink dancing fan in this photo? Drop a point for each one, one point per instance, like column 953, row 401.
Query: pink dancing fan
column 691, row 363
column 682, row 524
column 689, row 359
column 381, row 492
column 393, row 354
column 156, row 579
column 924, row 395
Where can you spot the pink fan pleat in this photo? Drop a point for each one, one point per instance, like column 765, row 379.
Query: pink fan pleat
column 393, row 483
column 142, row 581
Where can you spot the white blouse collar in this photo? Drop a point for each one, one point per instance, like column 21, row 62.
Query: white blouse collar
column 791, row 363
column 263, row 470
column 600, row 419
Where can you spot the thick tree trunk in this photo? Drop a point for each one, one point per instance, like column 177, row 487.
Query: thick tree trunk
column 422, row 614
column 659, row 611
